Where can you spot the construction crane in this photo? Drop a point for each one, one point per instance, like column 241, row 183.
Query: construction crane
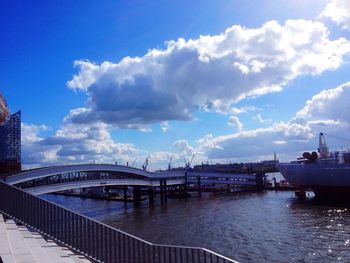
column 169, row 164
column 134, row 162
column 4, row 111
column 189, row 163
column 191, row 160
column 145, row 164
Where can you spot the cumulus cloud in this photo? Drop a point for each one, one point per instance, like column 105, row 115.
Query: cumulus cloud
column 330, row 104
column 327, row 112
column 254, row 143
column 209, row 73
column 73, row 144
column 183, row 147
column 30, row 133
column 339, row 12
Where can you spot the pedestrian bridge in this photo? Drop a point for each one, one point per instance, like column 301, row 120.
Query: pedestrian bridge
column 67, row 177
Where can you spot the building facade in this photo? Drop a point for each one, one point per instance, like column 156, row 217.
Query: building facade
column 10, row 144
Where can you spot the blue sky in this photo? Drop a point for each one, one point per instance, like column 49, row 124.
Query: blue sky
column 41, row 41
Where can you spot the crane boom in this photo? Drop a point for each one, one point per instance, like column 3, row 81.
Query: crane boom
column 145, row 164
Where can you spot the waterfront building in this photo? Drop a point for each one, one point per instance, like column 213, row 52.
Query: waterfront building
column 10, row 144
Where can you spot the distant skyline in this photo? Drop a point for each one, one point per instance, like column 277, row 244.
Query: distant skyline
column 227, row 81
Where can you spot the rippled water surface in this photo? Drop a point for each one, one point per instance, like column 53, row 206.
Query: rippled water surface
column 250, row 227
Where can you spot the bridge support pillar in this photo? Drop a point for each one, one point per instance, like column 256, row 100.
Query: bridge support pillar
column 125, row 196
column 151, row 195
column 137, row 195
column 199, row 185
column 163, row 192
column 259, row 180
column 107, row 191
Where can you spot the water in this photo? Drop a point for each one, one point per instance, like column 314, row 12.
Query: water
column 252, row 227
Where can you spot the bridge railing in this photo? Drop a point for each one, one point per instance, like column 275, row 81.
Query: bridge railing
column 95, row 240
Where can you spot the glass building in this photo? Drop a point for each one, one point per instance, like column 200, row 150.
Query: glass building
column 10, row 144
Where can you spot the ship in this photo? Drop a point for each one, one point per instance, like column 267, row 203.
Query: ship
column 325, row 173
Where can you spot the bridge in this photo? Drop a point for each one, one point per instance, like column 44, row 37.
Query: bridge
column 69, row 177
column 207, row 178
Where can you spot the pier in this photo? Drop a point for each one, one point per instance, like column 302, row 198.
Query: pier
column 139, row 182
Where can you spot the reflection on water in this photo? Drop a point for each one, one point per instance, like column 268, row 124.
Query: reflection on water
column 252, row 227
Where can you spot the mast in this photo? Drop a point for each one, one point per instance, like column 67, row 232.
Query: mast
column 322, row 146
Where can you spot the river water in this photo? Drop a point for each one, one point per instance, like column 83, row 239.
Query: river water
column 267, row 226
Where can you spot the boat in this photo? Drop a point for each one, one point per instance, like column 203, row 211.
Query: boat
column 325, row 173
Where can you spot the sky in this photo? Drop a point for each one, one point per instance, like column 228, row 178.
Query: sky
column 225, row 81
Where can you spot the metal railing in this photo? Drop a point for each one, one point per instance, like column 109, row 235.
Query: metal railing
column 96, row 241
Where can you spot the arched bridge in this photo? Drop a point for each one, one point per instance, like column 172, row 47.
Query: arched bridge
column 66, row 177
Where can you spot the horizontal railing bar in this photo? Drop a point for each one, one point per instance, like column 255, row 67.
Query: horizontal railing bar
column 98, row 222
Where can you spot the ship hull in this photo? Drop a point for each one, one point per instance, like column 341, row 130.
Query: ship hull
column 325, row 180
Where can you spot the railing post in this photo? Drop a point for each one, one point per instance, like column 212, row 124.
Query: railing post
column 110, row 245
column 105, row 243
column 55, row 231
column 60, row 224
column 93, row 240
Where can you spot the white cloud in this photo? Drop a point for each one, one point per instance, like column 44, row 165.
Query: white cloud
column 279, row 142
column 329, row 104
column 73, row 144
column 183, row 147
column 209, row 73
column 30, row 133
column 339, row 12
column 208, row 143
column 234, row 121
column 328, row 112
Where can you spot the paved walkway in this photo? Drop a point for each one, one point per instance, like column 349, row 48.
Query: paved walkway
column 18, row 244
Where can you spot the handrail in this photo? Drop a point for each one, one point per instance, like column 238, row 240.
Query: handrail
column 64, row 169
column 95, row 240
